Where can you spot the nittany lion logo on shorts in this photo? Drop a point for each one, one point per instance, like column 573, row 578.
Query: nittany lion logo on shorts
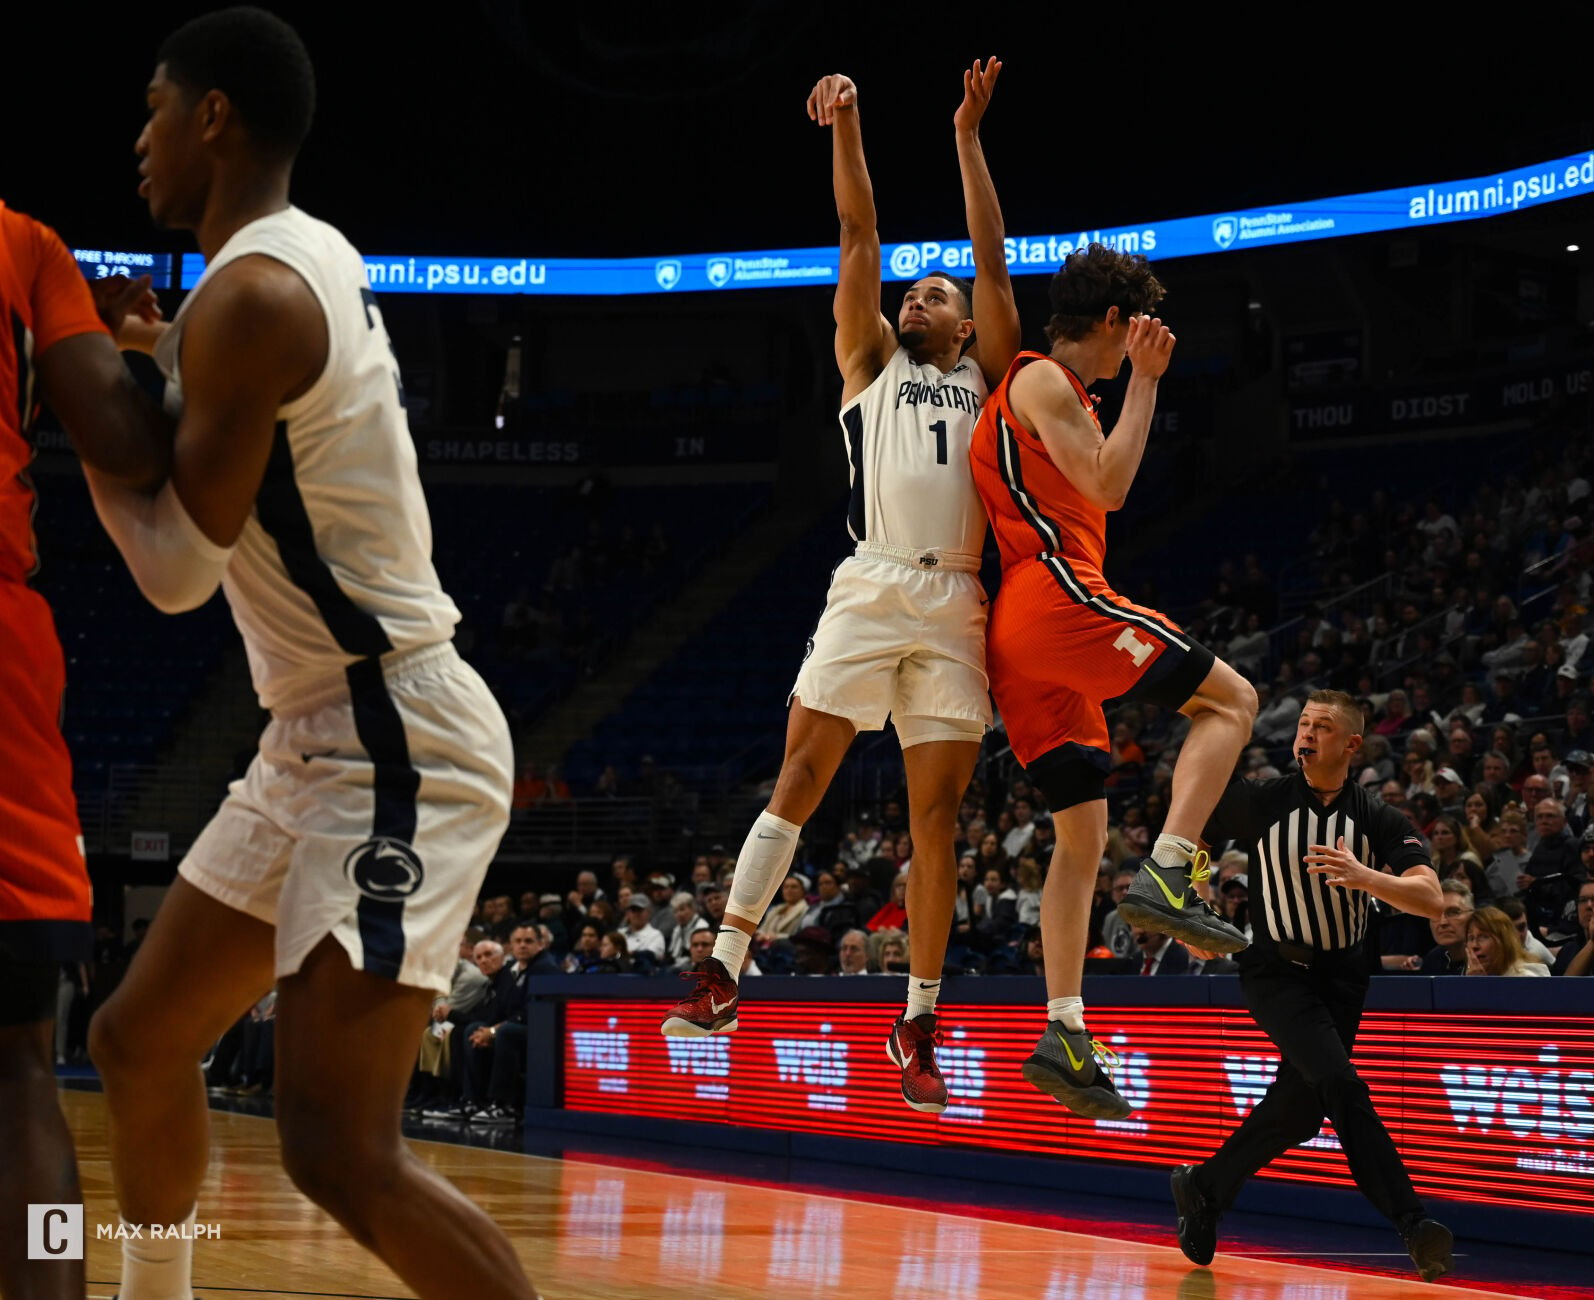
column 385, row 870
column 808, row 649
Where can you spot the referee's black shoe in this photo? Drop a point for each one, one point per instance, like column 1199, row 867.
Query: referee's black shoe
column 1198, row 1217
column 1430, row 1244
column 1163, row 899
column 1064, row 1067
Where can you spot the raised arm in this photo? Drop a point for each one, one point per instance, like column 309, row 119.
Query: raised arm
column 997, row 332
column 864, row 339
column 1101, row 468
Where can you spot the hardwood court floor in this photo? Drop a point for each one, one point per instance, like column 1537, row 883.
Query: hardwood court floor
column 588, row 1230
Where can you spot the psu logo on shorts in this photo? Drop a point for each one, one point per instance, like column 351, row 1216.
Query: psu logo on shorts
column 384, row 869
column 808, row 649
column 1225, row 230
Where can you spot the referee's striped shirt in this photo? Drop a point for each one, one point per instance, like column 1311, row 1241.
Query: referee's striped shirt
column 1276, row 822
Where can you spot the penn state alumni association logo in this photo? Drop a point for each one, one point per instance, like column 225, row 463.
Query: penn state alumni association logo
column 384, row 869
column 1225, row 230
column 719, row 271
column 668, row 273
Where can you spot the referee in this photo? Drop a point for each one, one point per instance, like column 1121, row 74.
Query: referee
column 1315, row 844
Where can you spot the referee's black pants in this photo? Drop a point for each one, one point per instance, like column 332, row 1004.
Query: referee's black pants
column 1312, row 1015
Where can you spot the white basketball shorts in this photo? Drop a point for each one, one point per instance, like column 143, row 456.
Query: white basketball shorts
column 901, row 638
column 371, row 813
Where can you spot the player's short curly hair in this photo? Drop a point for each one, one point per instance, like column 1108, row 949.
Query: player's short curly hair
column 258, row 62
column 1094, row 279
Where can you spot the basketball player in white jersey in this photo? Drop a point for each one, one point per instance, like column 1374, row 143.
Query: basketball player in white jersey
column 343, row 866
column 903, row 631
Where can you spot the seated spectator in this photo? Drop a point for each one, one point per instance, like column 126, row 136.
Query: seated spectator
column 963, row 915
column 551, row 913
column 1493, row 947
column 640, row 935
column 584, row 956
column 1478, row 820
column 1576, row 956
column 787, row 914
column 498, row 916
column 614, row 957
column 1535, row 788
column 893, row 914
column 1000, row 905
column 1419, row 774
column 1023, row 830
column 815, row 951
column 1028, row 902
column 860, row 891
column 1115, row 931
column 1396, row 717
column 1033, row 961
column 1449, row 790
column 1451, row 858
column 1379, row 765
column 852, row 953
column 991, row 856
column 888, row 952
column 660, row 890
column 1160, row 955
column 688, row 921
column 1577, row 764
column 581, row 898
column 1423, row 809
column 1234, row 902
column 699, row 946
column 1449, row 954
column 1137, row 835
column 1531, row 944
column 832, row 910
column 1506, row 867
column 1554, row 852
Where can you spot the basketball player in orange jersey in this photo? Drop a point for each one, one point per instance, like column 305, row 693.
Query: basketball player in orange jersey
column 56, row 345
column 343, row 865
column 903, row 631
column 1062, row 641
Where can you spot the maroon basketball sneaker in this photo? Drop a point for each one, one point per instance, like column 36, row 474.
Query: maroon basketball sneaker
column 712, row 1007
column 912, row 1047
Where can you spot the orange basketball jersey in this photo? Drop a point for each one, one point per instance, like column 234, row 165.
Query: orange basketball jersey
column 44, row 299
column 1060, row 640
column 1034, row 509
column 44, row 887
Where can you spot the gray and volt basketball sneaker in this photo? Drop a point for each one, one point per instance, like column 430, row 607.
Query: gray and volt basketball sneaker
column 1164, row 899
column 1064, row 1066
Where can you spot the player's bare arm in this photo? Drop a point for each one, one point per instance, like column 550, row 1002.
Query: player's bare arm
column 997, row 331
column 1101, row 468
column 864, row 338
column 255, row 339
column 115, row 426
column 1415, row 891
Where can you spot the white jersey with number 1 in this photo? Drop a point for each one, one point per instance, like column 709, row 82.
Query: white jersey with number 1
column 908, row 448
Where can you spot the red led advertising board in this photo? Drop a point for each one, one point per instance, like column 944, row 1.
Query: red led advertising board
column 1483, row 1107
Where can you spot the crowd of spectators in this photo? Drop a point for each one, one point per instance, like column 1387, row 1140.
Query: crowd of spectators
column 1473, row 667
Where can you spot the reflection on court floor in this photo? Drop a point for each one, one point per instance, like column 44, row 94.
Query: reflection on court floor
column 591, row 1231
